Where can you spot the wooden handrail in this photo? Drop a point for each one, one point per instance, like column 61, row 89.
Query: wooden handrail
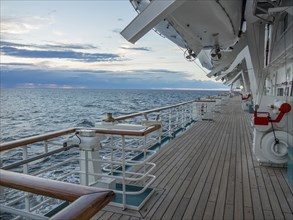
column 127, row 133
column 84, row 207
column 86, row 200
column 31, row 140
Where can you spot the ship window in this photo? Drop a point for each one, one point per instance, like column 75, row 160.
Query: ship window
column 280, row 92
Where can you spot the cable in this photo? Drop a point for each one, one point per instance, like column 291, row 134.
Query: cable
column 277, row 141
column 194, row 61
column 76, row 134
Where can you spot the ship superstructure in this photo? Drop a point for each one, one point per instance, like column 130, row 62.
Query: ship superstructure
column 245, row 44
column 191, row 160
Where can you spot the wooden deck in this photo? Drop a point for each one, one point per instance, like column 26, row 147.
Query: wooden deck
column 209, row 173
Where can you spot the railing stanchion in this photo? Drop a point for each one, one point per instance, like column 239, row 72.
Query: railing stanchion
column 123, row 174
column 144, row 157
column 182, row 116
column 1, row 188
column 83, row 167
column 177, row 118
column 86, row 168
column 170, row 122
column 46, row 146
column 111, row 144
column 190, row 113
column 185, row 115
column 25, row 170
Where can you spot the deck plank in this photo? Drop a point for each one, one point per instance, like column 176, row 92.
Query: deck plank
column 221, row 199
column 279, row 193
column 209, row 211
column 98, row 215
column 181, row 175
column 285, row 188
column 232, row 170
column 247, row 203
column 191, row 155
column 115, row 216
column 106, row 216
column 214, row 160
column 209, row 172
column 238, row 200
column 134, row 218
column 125, row 217
column 252, row 180
column 277, row 211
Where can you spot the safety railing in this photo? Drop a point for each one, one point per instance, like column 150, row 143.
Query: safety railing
column 76, row 164
column 86, row 201
column 175, row 117
column 123, row 155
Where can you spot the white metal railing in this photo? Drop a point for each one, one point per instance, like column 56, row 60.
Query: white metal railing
column 53, row 156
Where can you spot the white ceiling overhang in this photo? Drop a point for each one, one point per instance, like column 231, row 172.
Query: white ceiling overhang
column 156, row 11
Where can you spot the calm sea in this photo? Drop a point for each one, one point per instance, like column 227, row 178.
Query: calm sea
column 29, row 112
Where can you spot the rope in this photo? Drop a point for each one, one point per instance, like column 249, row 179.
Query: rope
column 277, row 141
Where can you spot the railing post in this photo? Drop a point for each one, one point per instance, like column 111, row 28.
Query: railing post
column 213, row 111
column 170, row 122
column 185, row 115
column 84, row 167
column 46, row 146
column 112, row 150
column 123, row 174
column 1, row 187
column 190, row 113
column 25, row 170
column 46, row 150
column 25, row 156
column 145, row 116
column 177, row 117
column 182, row 116
column 144, row 156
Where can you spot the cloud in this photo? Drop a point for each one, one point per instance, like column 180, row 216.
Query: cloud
column 140, row 79
column 61, row 51
column 22, row 25
column 68, row 46
column 52, row 45
column 16, row 64
column 137, row 48
column 47, row 86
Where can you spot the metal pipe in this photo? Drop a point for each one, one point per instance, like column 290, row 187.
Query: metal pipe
column 123, row 174
column 36, row 158
column 21, row 213
column 25, row 171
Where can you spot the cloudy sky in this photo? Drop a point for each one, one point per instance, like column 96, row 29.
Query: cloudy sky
column 77, row 44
